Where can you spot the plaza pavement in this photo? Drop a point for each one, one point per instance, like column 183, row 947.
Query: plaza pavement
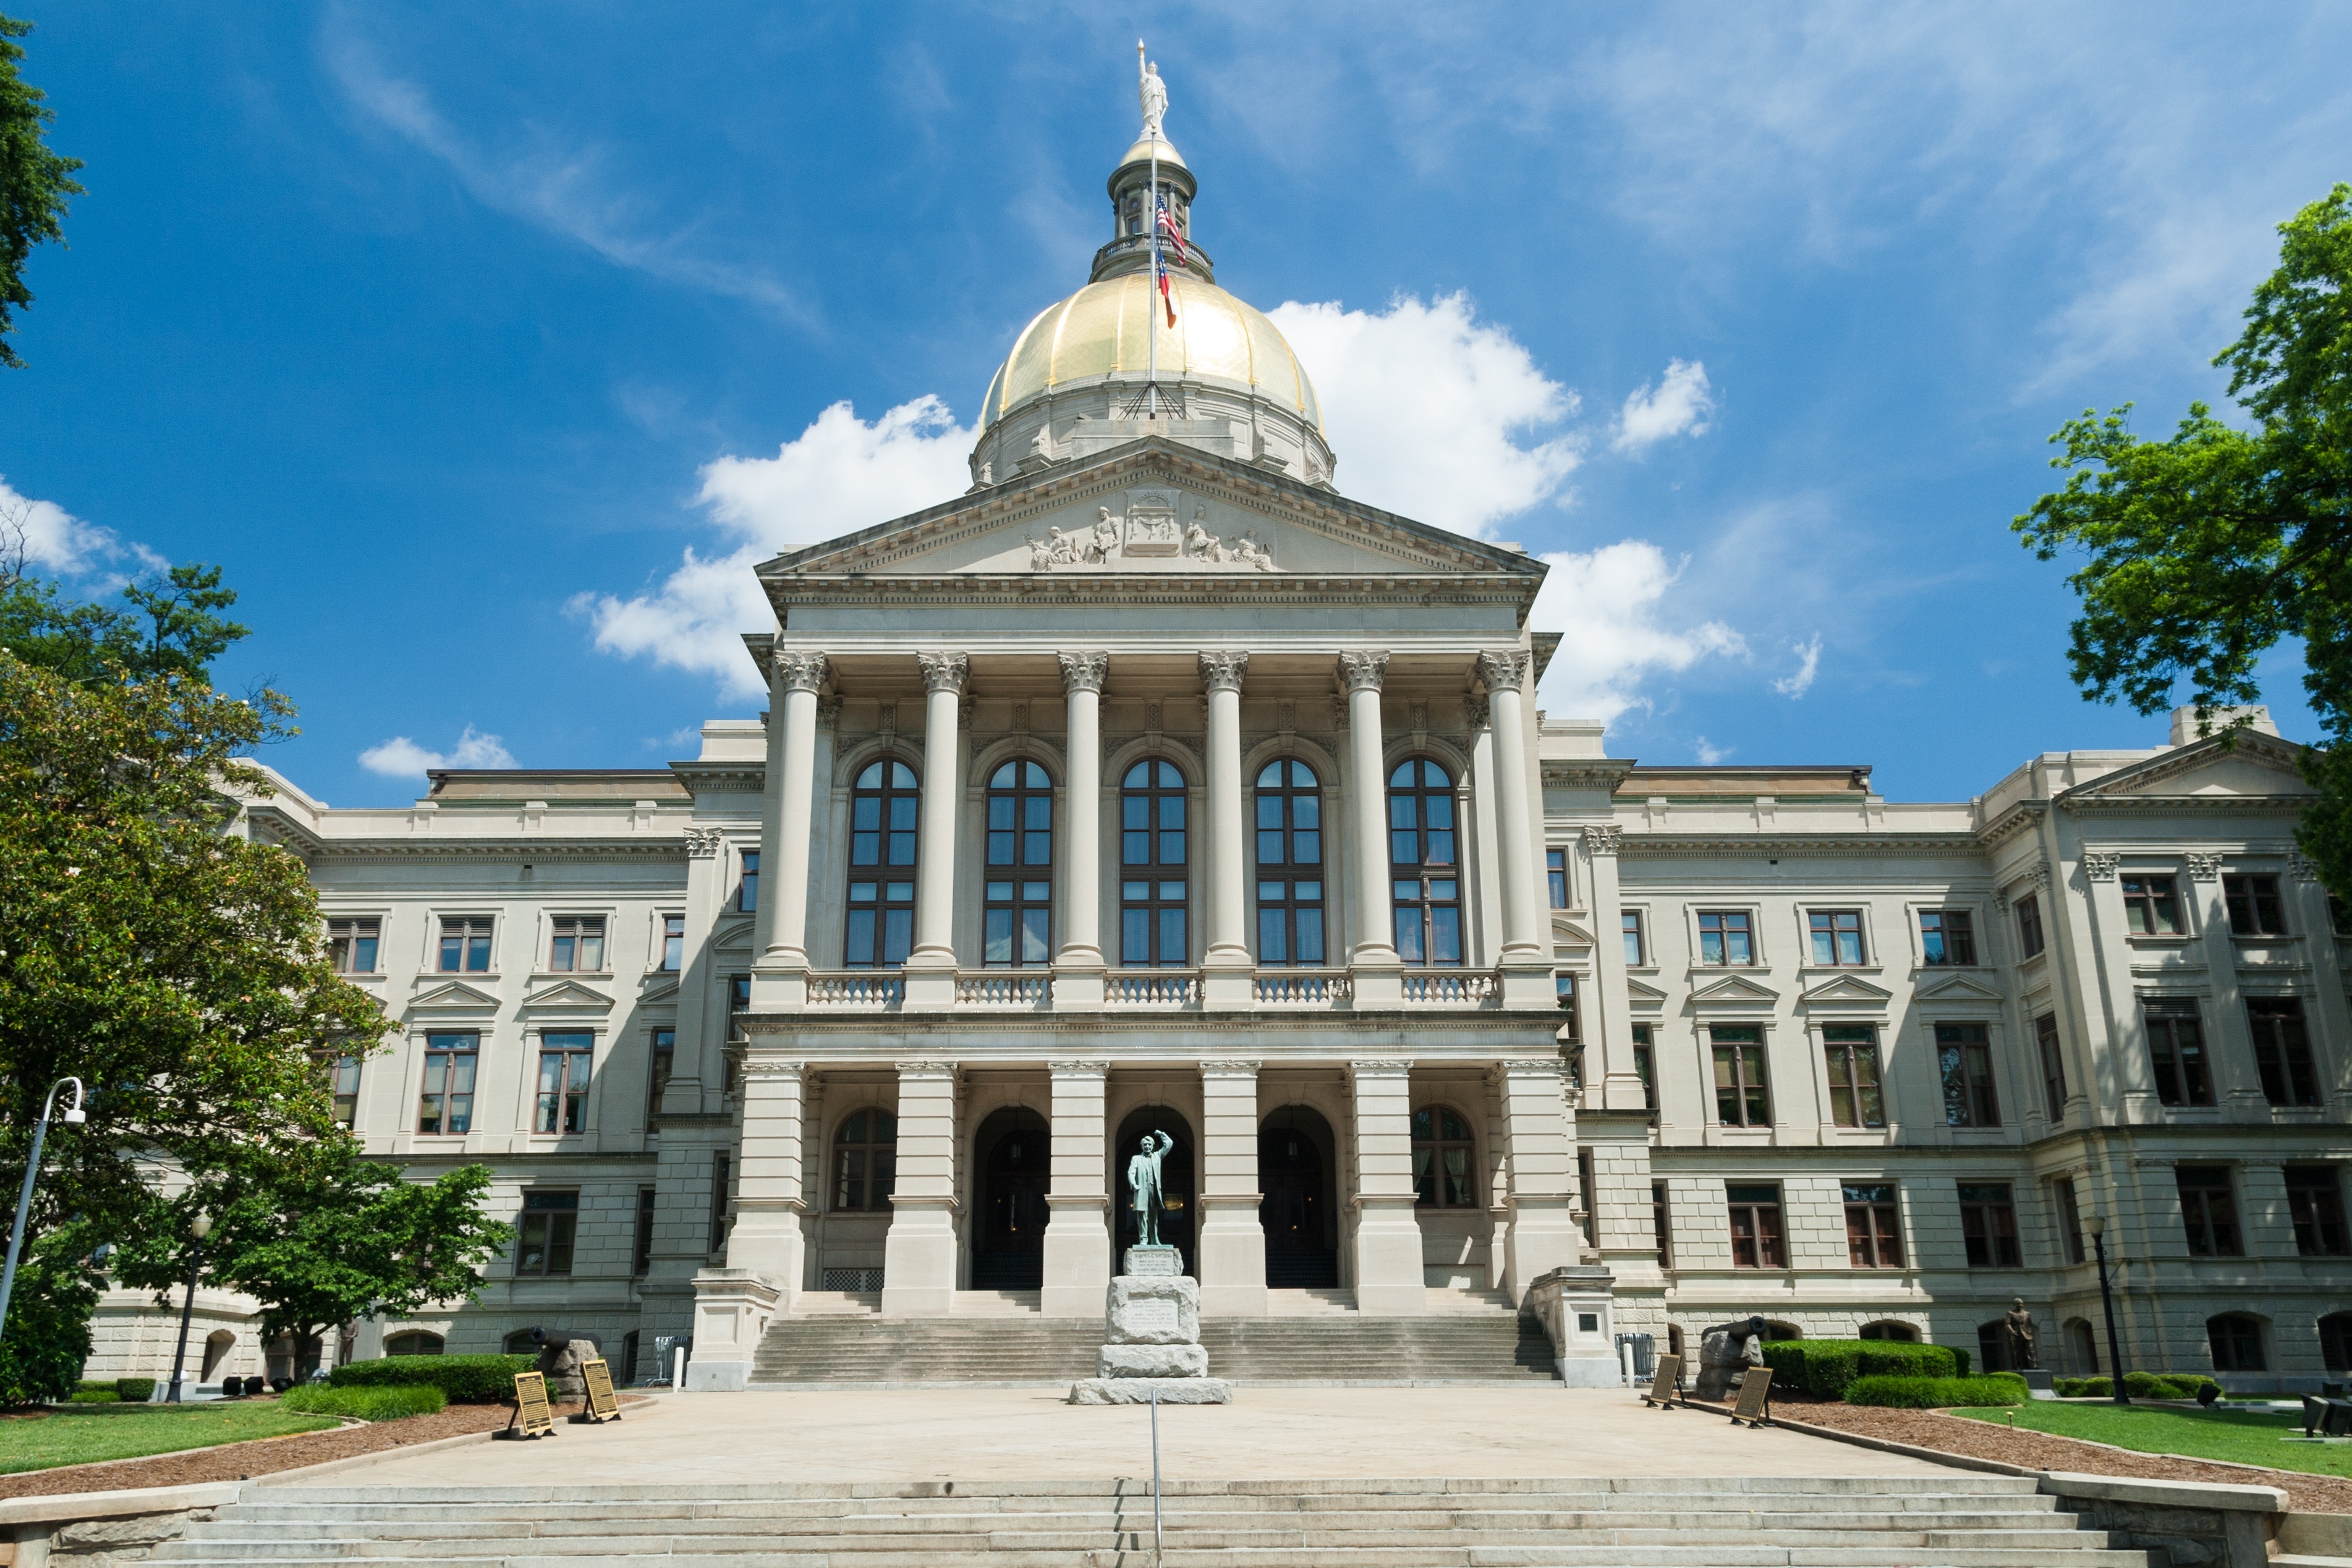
column 1029, row 1434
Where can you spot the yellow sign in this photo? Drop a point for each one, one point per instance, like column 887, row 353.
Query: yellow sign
column 1755, row 1396
column 602, row 1405
column 1662, row 1387
column 533, row 1417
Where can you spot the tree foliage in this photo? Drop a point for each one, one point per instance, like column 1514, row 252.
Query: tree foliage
column 34, row 181
column 2207, row 549
column 165, row 625
column 48, row 1319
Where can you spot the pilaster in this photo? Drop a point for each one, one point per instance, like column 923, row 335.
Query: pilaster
column 1543, row 1197
column 1077, row 1227
column 768, row 1238
column 1389, row 1281
column 919, row 1254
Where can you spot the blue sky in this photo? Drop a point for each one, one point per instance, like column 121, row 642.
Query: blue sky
column 483, row 344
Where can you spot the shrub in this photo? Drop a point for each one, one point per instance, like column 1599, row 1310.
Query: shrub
column 2082, row 1387
column 134, row 1390
column 94, row 1395
column 49, row 1325
column 1825, row 1366
column 1937, row 1393
column 463, row 1379
column 389, row 1403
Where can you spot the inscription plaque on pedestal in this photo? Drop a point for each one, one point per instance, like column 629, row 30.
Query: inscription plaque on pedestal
column 1152, row 1316
column 1148, row 1262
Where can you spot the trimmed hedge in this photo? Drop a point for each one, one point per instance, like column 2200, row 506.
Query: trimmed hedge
column 1826, row 1366
column 385, row 1404
column 134, row 1390
column 2138, row 1384
column 1937, row 1393
column 464, row 1379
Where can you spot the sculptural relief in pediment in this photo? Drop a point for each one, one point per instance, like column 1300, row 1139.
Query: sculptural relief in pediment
column 1147, row 531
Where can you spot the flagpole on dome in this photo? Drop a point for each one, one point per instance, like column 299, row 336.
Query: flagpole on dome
column 1151, row 220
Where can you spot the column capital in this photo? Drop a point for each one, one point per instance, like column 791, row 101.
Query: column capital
column 1476, row 710
column 799, row 669
column 925, row 1069
column 1503, row 669
column 1083, row 671
column 1537, row 1065
column 944, row 671
column 703, row 844
column 1221, row 670
column 1603, row 840
column 769, row 1069
column 1077, row 1069
column 1228, row 1067
column 828, row 713
column 1383, row 1069
column 1361, row 669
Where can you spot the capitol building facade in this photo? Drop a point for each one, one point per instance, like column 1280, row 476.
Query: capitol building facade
column 1153, row 785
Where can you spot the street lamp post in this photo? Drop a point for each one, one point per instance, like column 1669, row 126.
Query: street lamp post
column 74, row 1117
column 2097, row 1226
column 200, row 1228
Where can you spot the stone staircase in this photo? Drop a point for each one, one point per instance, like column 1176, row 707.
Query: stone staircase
column 1453, row 1347
column 1959, row 1520
column 838, row 1349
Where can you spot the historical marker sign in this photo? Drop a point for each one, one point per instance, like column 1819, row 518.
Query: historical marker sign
column 602, row 1404
column 1662, row 1386
column 1755, row 1396
column 533, row 1416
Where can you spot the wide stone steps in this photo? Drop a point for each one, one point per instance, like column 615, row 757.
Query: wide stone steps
column 878, row 1350
column 1962, row 1521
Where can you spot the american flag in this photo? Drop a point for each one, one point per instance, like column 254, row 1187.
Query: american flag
column 1167, row 232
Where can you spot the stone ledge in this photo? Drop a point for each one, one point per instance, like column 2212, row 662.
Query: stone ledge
column 1139, row 1390
column 2218, row 1496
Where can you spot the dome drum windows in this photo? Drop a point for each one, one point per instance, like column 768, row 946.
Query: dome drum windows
column 1289, row 865
column 1153, row 902
column 879, row 927
column 1017, row 912
column 1425, row 863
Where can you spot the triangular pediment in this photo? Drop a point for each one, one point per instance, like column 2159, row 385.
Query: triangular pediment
column 2248, row 764
column 732, row 931
column 661, row 990
column 454, row 994
column 568, row 996
column 1849, row 989
column 1737, row 990
column 1643, row 994
column 1567, row 932
column 1958, row 988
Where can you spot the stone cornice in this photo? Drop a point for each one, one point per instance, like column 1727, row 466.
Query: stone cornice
column 542, row 848
column 748, row 777
column 2186, row 805
column 1747, row 845
column 1601, row 773
column 1020, row 1034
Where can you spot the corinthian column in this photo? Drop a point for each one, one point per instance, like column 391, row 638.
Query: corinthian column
column 1360, row 672
column 944, row 675
column 1078, row 967
column 1527, row 945
column 1227, row 949
column 780, row 929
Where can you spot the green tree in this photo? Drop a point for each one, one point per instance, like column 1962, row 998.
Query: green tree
column 166, row 626
column 34, row 181
column 2209, row 548
column 48, row 1319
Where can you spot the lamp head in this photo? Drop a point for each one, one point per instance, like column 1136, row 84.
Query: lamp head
column 201, row 1225
column 74, row 1114
column 2096, row 1225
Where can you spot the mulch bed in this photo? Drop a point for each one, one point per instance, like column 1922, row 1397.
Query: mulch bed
column 264, row 1456
column 2041, row 1451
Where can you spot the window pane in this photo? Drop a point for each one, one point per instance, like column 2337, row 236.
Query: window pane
column 1408, row 934
column 1272, row 948
column 1034, row 949
column 1445, row 934
column 1310, row 936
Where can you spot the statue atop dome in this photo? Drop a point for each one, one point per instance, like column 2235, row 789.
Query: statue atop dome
column 1153, row 92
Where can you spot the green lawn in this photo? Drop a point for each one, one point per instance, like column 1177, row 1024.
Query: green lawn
column 2241, row 1436
column 81, row 1434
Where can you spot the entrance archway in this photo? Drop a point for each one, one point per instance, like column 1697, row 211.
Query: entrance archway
column 1015, row 1165
column 1301, row 1225
column 1176, row 1183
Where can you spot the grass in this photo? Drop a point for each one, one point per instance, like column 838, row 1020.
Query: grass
column 83, row 1434
column 2240, row 1436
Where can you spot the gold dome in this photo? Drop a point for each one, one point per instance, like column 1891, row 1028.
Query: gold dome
column 1105, row 330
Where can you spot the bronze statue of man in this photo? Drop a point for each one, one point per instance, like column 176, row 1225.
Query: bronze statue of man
column 1143, row 1180
column 2024, row 1343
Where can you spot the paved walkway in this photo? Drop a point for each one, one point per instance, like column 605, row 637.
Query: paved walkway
column 1020, row 1434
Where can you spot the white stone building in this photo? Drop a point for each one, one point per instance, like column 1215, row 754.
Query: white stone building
column 1153, row 783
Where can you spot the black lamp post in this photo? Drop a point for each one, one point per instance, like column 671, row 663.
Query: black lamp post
column 200, row 1228
column 2097, row 1226
column 74, row 1116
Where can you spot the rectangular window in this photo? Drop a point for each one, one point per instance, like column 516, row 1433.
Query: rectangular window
column 665, row 1062
column 722, row 1172
column 1856, row 1100
column 2210, row 1218
column 739, row 1002
column 1662, row 1223
column 1837, row 937
column 347, row 1091
column 563, row 1082
column 352, row 946
column 879, row 923
column 2314, row 1197
column 673, row 949
column 642, row 1252
column 1725, row 936
column 2254, row 905
column 1151, row 913
column 1755, row 1237
column 1947, row 937
column 1989, row 1226
column 466, row 945
column 2028, row 924
column 1740, row 1099
column 1017, row 920
column 1645, row 1065
column 1636, row 950
column 1556, row 876
column 2053, row 1065
column 578, row 946
column 747, row 890
column 1584, row 1190
column 550, row 1224
column 1290, row 921
column 2176, row 1052
column 1563, row 987
column 1872, row 1237
column 446, row 1104
column 2151, row 907
column 1964, row 1056
column 2283, row 1051
column 2070, row 1218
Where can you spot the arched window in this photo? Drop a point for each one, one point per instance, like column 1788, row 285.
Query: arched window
column 2237, row 1342
column 2336, row 1342
column 1445, row 1159
column 1151, row 866
column 882, row 812
column 1424, row 864
column 1289, row 864
column 1901, row 1332
column 1017, row 914
column 415, row 1342
column 864, row 1161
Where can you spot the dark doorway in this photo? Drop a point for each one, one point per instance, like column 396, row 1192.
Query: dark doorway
column 1175, row 1180
column 1016, row 1164
column 1293, row 1172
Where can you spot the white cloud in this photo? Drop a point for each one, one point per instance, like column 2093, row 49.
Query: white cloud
column 1709, row 754
column 1433, row 412
column 1800, row 682
column 840, row 475
column 1606, row 604
column 1678, row 405
column 401, row 758
column 54, row 541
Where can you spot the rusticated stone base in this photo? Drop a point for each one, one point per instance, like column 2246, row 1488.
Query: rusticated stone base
column 1139, row 1390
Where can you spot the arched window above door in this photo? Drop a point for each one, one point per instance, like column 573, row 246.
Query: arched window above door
column 1154, row 849
column 879, row 926
column 1017, row 883
column 1290, row 884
